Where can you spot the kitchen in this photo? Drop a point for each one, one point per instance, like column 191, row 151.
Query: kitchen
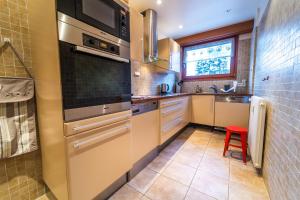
column 113, row 99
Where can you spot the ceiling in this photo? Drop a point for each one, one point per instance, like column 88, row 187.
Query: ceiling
column 197, row 15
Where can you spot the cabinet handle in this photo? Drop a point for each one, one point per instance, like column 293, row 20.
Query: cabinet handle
column 100, row 138
column 171, row 103
column 171, row 111
column 100, row 124
column 170, row 126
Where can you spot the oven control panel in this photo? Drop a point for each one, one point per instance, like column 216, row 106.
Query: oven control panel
column 96, row 43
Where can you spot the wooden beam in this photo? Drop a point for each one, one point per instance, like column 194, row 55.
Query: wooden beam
column 228, row 31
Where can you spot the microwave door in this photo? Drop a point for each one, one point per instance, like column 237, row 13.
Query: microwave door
column 103, row 14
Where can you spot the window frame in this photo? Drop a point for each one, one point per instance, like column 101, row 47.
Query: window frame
column 233, row 64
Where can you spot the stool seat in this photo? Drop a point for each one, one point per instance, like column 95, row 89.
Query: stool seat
column 243, row 132
column 237, row 129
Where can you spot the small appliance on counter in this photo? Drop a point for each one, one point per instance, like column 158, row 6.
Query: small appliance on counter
column 164, row 88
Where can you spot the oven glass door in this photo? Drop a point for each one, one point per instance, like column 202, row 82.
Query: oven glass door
column 89, row 80
column 103, row 14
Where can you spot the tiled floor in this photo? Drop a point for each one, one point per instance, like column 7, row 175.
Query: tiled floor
column 192, row 167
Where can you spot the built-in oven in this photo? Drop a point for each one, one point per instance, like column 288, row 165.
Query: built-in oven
column 110, row 16
column 95, row 70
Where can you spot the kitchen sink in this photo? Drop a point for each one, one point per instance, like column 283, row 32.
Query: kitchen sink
column 233, row 99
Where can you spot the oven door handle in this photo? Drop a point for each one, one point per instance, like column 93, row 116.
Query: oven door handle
column 99, row 53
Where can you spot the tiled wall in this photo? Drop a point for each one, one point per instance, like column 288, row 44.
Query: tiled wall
column 20, row 177
column 242, row 71
column 278, row 56
column 148, row 83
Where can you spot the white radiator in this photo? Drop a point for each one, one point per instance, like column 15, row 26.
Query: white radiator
column 257, row 130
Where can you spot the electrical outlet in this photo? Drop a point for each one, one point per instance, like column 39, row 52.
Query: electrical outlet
column 137, row 74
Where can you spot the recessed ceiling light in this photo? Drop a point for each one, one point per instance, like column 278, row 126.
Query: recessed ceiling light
column 158, row 2
column 180, row 26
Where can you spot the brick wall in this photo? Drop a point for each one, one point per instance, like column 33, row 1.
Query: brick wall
column 242, row 72
column 21, row 176
column 278, row 56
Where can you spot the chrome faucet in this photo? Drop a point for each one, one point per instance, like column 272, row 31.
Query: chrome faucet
column 214, row 88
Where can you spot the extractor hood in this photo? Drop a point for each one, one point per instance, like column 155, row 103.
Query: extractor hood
column 150, row 36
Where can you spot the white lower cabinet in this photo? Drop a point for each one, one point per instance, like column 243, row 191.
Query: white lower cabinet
column 174, row 115
column 203, row 109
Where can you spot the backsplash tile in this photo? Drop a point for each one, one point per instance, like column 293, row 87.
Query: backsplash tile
column 242, row 72
column 148, row 83
column 277, row 56
column 21, row 176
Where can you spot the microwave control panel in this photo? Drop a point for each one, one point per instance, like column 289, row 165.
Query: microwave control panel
column 96, row 43
column 124, row 24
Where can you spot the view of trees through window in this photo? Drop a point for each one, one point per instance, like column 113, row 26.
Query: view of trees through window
column 214, row 58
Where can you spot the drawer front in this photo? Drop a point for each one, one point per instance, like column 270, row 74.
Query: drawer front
column 97, row 158
column 174, row 115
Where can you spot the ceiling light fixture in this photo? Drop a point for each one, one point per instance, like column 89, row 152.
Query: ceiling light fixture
column 158, row 2
column 180, row 27
column 228, row 10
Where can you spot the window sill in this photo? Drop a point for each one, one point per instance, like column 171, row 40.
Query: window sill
column 209, row 78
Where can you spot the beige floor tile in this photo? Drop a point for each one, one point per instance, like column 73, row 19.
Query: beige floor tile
column 192, row 145
column 194, row 194
column 189, row 160
column 211, row 185
column 142, row 181
column 180, row 172
column 245, row 175
column 194, row 151
column 170, row 151
column 126, row 193
column 159, row 164
column 215, row 157
column 239, row 191
column 145, row 198
column 216, row 167
column 166, row 189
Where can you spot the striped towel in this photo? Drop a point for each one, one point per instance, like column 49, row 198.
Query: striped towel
column 17, row 118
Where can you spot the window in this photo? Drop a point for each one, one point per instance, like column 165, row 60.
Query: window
column 212, row 60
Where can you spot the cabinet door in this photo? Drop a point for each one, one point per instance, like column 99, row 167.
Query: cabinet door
column 175, row 56
column 232, row 114
column 203, row 109
column 136, row 36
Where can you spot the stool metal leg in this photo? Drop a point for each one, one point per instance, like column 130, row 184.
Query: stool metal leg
column 244, row 147
column 227, row 140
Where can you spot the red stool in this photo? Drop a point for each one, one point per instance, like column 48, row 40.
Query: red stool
column 243, row 132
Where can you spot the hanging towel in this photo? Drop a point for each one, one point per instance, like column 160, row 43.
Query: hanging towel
column 17, row 117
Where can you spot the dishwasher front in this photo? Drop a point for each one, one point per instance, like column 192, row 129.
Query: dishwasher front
column 145, row 134
column 98, row 154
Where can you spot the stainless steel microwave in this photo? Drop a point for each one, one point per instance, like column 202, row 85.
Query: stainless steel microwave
column 110, row 16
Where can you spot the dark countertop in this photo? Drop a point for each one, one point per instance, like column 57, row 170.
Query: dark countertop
column 142, row 99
